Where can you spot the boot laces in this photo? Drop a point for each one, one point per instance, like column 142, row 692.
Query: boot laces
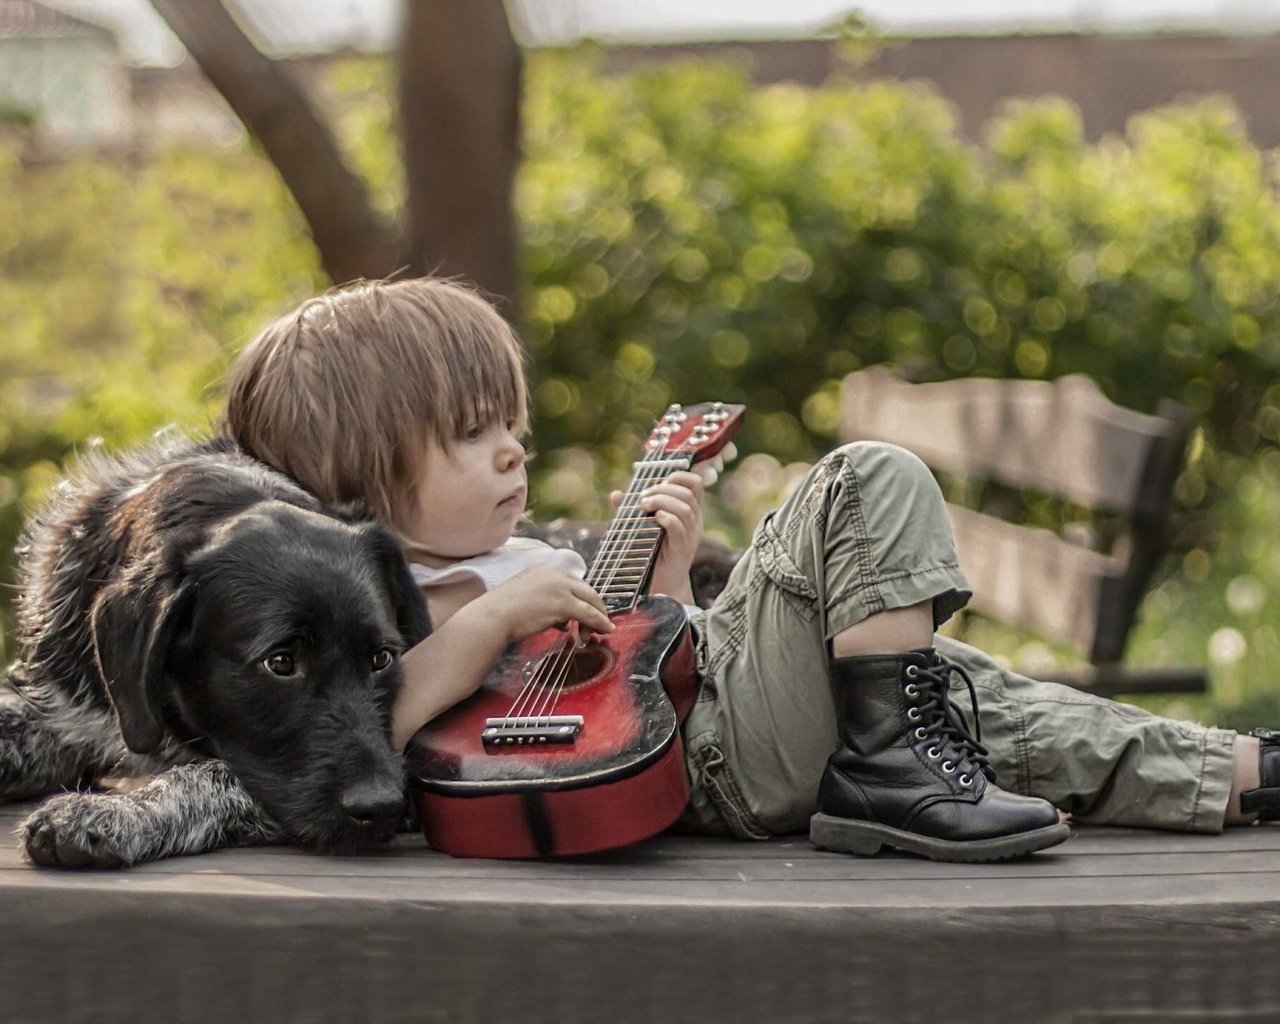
column 940, row 720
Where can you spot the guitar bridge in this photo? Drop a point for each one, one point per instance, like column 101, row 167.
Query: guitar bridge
column 504, row 732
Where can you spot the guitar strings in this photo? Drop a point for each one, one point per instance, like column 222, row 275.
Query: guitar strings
column 617, row 541
column 618, row 546
column 621, row 545
column 554, row 663
column 620, row 535
column 622, row 540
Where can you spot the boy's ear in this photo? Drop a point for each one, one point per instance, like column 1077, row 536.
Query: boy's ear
column 407, row 602
column 133, row 627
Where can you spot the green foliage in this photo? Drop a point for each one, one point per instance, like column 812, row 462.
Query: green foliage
column 758, row 244
column 125, row 291
column 688, row 235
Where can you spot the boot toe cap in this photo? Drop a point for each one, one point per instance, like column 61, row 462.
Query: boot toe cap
column 994, row 814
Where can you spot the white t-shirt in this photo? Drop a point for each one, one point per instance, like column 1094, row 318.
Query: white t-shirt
column 500, row 564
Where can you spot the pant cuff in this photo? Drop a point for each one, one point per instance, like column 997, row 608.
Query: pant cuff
column 1217, row 772
column 943, row 584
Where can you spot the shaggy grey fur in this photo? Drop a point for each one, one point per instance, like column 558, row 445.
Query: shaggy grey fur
column 158, row 594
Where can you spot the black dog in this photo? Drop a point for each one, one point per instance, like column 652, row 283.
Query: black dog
column 188, row 610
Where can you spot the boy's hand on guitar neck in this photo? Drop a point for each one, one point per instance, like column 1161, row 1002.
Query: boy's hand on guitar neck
column 676, row 504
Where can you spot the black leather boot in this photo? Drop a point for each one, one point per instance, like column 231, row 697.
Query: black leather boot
column 908, row 774
column 1266, row 798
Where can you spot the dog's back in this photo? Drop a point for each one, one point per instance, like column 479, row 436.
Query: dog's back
column 111, row 512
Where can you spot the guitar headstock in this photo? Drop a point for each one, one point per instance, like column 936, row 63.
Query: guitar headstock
column 697, row 432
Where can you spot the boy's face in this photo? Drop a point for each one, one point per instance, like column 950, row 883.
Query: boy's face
column 469, row 496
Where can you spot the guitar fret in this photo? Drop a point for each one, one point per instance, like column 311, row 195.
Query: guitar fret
column 624, row 549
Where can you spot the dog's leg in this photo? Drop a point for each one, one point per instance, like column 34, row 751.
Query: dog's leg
column 190, row 808
column 46, row 748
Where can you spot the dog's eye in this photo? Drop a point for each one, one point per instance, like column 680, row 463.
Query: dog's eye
column 383, row 659
column 280, row 664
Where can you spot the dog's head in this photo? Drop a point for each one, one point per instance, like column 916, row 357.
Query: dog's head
column 275, row 644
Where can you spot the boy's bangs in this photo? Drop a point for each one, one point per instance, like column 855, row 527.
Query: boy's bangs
column 492, row 387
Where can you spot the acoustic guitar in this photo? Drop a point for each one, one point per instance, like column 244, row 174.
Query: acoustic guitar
column 573, row 746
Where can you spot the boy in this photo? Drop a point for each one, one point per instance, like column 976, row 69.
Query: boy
column 823, row 688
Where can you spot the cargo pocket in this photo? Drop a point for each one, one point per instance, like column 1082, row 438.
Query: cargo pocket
column 776, row 563
column 720, row 787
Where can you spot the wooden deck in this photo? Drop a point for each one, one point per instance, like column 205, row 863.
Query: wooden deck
column 1114, row 926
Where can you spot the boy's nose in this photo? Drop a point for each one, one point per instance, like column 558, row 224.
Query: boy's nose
column 511, row 454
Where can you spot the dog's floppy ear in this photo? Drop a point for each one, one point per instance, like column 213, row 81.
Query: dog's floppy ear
column 133, row 627
column 410, row 606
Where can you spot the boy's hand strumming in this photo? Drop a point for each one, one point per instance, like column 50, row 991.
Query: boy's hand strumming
column 541, row 597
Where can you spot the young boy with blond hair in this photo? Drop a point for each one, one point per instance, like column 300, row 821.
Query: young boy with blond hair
column 825, row 698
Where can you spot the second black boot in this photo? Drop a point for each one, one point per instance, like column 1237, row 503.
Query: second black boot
column 908, row 773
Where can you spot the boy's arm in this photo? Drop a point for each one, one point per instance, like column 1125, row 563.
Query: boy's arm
column 448, row 666
column 451, row 663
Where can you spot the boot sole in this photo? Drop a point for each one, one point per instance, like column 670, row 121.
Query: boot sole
column 865, row 839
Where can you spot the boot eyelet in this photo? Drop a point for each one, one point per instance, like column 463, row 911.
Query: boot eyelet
column 948, row 766
column 912, row 671
column 913, row 714
column 934, row 753
column 966, row 780
column 922, row 733
column 911, row 690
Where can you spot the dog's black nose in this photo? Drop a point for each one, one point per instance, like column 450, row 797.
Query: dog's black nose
column 372, row 802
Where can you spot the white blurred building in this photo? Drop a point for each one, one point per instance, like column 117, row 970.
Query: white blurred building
column 128, row 82
column 63, row 74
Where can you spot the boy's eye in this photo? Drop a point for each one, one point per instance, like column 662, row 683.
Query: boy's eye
column 473, row 432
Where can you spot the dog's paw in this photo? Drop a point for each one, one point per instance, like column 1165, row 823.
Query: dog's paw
column 76, row 830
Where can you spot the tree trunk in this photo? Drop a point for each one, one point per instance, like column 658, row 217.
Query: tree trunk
column 460, row 128
column 273, row 107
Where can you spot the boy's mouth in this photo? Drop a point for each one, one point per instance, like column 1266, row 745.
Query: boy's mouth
column 516, row 497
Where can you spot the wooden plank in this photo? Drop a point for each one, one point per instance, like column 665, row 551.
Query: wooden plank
column 1031, row 578
column 681, row 928
column 822, row 875
column 1061, row 437
column 673, row 862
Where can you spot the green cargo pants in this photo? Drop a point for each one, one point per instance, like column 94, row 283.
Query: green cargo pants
column 866, row 531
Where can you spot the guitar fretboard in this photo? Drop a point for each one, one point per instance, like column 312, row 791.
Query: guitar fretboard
column 622, row 564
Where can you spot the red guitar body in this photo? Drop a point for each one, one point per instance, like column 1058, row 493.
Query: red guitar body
column 623, row 779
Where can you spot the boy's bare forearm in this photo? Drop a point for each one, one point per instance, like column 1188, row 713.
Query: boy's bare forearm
column 445, row 668
column 676, row 586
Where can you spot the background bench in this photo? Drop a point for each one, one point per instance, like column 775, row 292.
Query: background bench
column 1003, row 438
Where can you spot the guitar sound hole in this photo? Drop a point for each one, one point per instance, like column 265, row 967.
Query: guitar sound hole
column 589, row 663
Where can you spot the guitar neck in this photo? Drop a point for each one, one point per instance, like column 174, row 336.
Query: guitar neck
column 621, row 567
